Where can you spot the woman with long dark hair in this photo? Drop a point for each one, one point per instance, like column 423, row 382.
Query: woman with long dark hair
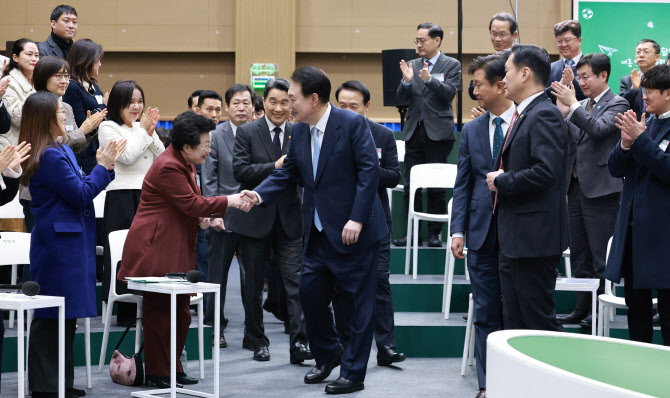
column 62, row 250
column 83, row 93
column 126, row 106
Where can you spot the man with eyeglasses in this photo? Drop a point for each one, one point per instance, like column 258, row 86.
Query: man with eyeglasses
column 593, row 194
column 647, row 53
column 569, row 42
column 430, row 84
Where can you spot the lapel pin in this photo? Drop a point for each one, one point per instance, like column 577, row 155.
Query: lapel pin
column 598, row 107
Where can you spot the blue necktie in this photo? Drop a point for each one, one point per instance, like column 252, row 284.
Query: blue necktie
column 570, row 63
column 498, row 137
column 315, row 165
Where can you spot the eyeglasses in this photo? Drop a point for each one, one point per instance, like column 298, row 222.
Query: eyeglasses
column 646, row 91
column 62, row 111
column 62, row 76
column 420, row 40
column 567, row 40
column 207, row 147
column 501, row 35
column 583, row 78
column 645, row 51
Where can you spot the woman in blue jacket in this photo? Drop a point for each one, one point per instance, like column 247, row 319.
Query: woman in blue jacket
column 62, row 250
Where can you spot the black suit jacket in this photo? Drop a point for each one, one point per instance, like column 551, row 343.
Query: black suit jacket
column 556, row 75
column 11, row 188
column 532, row 207
column 592, row 137
column 5, row 119
column 633, row 96
column 253, row 162
column 389, row 168
column 433, row 99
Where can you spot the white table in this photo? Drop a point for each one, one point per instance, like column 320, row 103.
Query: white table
column 173, row 289
column 582, row 285
column 20, row 303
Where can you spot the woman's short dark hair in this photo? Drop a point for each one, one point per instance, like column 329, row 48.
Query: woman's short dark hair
column 47, row 67
column 81, row 57
column 187, row 129
column 656, row 78
column 120, row 97
column 313, row 80
column 17, row 49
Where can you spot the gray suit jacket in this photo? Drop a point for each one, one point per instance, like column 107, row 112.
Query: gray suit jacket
column 49, row 47
column 433, row 99
column 591, row 139
column 253, row 162
column 217, row 171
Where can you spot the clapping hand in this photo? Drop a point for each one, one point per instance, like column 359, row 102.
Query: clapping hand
column 630, row 127
column 20, row 155
column 112, row 152
column 149, row 120
column 477, row 112
column 3, row 86
column 105, row 98
column 635, row 79
column 92, row 121
column 424, row 74
column 6, row 157
column 565, row 96
column 407, row 71
column 568, row 76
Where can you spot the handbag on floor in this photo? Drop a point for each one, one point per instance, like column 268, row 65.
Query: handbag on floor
column 124, row 370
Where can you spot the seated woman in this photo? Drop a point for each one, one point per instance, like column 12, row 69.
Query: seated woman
column 125, row 106
column 62, row 250
column 163, row 238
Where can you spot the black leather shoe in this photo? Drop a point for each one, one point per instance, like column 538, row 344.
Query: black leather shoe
column 319, row 373
column 247, row 344
column 402, row 242
column 300, row 353
column 182, row 378
column 573, row 317
column 386, row 355
column 481, row 393
column 76, row 392
column 159, row 381
column 262, row 354
column 343, row 386
column 587, row 322
column 657, row 320
column 222, row 341
column 434, row 240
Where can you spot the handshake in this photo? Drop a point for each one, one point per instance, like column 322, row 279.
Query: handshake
column 244, row 200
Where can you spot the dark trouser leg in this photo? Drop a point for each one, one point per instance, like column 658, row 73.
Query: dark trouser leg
column 43, row 355
column 288, row 253
column 202, row 263
column 29, row 220
column 156, row 323
column 581, row 260
column 485, row 283
column 664, row 312
column 275, row 301
column 222, row 248
column 384, row 327
column 640, row 314
column 255, row 254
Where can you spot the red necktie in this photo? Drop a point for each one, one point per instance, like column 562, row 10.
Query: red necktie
column 509, row 131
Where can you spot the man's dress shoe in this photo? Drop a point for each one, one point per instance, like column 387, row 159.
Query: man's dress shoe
column 344, row 386
column 319, row 373
column 300, row 353
column 262, row 354
column 573, row 317
column 387, row 355
column 434, row 241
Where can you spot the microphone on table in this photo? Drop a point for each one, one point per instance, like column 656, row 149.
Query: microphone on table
column 193, row 276
column 30, row 288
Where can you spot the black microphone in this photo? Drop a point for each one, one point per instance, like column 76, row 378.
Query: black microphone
column 30, row 288
column 193, row 276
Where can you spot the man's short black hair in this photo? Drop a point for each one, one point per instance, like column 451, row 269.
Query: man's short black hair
column 571, row 25
column 258, row 103
column 279, row 84
column 655, row 45
column 505, row 17
column 434, row 30
column 60, row 10
column 598, row 62
column 656, row 78
column 207, row 94
column 237, row 88
column 354, row 85
column 534, row 58
column 313, row 80
column 187, row 129
column 196, row 93
column 493, row 66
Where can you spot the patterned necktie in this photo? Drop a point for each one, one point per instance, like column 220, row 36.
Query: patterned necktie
column 276, row 144
column 498, row 137
column 315, row 165
column 589, row 106
column 570, row 63
column 509, row 131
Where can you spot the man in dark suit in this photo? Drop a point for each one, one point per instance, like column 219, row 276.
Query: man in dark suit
column 332, row 155
column 569, row 42
column 647, row 53
column 593, row 194
column 472, row 208
column 260, row 148
column 640, row 240
column 529, row 195
column 429, row 84
column 218, row 179
column 355, row 96
column 64, row 22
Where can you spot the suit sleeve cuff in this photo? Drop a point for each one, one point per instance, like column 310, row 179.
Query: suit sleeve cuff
column 260, row 200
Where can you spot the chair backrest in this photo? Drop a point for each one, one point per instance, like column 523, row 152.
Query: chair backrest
column 116, row 241
column 431, row 175
column 99, row 204
column 608, row 283
column 14, row 248
column 400, row 145
column 12, row 209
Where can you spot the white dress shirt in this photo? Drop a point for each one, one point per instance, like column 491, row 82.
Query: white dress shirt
column 507, row 119
column 233, row 127
column 574, row 106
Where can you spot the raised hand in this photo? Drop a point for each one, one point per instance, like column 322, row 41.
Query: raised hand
column 407, row 71
column 112, row 152
column 92, row 121
column 477, row 112
column 4, row 85
column 6, row 157
column 630, row 127
column 105, row 98
column 635, row 79
column 20, row 155
column 424, row 74
column 146, row 119
column 568, row 76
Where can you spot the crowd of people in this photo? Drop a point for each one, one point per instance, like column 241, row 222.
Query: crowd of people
column 296, row 189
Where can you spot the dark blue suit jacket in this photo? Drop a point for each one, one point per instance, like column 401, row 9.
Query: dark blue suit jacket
column 345, row 187
column 389, row 168
column 556, row 75
column 644, row 202
column 5, row 119
column 472, row 208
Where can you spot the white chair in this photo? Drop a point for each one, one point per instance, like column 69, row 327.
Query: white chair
column 99, row 206
column 15, row 249
column 469, row 343
column 12, row 209
column 568, row 266
column 429, row 175
column 449, row 265
column 609, row 302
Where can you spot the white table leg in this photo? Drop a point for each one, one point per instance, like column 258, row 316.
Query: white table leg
column 594, row 313
column 61, row 351
column 19, row 349
column 217, row 309
column 173, row 345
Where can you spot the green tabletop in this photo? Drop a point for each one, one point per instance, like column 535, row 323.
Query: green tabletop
column 641, row 369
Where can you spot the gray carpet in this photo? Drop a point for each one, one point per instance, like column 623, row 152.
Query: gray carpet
column 240, row 376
